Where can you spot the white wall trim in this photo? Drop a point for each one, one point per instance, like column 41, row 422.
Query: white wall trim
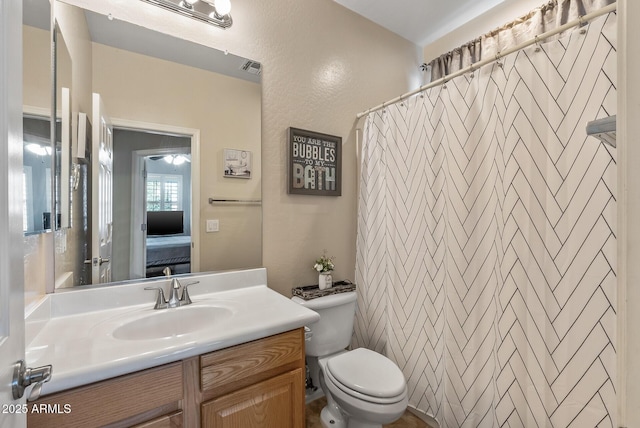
column 12, row 335
column 628, row 232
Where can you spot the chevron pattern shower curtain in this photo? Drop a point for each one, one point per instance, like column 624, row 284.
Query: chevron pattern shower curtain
column 486, row 248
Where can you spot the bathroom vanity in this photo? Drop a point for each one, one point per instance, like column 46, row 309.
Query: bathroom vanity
column 245, row 369
column 260, row 383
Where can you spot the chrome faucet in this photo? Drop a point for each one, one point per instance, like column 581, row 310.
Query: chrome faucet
column 174, row 301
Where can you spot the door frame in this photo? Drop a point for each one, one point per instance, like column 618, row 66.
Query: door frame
column 138, row 245
column 194, row 135
column 12, row 338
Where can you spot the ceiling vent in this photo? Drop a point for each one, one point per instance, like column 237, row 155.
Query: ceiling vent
column 252, row 67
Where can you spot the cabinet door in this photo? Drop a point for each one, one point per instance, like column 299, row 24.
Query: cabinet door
column 119, row 400
column 274, row 403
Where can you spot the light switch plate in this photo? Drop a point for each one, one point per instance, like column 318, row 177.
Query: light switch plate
column 213, row 226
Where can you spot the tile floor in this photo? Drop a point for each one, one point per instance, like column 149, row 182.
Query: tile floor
column 315, row 407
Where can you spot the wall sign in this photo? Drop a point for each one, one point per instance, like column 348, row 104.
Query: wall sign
column 315, row 163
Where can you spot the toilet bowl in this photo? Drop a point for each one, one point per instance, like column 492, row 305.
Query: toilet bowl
column 368, row 388
column 364, row 389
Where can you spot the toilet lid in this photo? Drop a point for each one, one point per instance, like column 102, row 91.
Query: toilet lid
column 368, row 373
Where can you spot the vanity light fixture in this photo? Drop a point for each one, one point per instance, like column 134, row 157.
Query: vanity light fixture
column 217, row 13
column 188, row 4
column 223, row 7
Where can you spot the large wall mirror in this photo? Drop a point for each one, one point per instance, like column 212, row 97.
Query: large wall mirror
column 165, row 148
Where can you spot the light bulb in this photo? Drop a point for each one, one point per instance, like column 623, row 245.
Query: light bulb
column 191, row 2
column 168, row 159
column 223, row 7
column 37, row 149
column 179, row 160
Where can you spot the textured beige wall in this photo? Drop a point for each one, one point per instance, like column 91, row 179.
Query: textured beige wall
column 36, row 68
column 322, row 65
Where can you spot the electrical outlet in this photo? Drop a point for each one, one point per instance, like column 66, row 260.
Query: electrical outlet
column 213, row 226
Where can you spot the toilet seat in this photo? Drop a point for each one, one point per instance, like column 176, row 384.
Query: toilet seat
column 367, row 376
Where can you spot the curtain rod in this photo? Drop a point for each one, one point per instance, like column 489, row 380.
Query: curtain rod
column 537, row 39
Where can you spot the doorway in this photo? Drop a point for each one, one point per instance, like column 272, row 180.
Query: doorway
column 165, row 212
column 155, row 173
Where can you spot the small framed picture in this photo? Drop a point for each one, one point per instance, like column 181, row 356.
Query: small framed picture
column 237, row 163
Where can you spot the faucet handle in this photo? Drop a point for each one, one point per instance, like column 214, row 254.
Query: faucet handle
column 185, row 299
column 161, row 303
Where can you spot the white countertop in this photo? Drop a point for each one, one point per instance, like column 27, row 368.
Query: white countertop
column 72, row 331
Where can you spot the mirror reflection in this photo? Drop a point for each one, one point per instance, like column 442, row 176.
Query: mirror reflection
column 151, row 117
column 36, row 160
column 62, row 145
column 37, row 150
column 153, row 170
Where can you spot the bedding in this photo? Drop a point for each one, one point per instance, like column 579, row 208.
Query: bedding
column 168, row 250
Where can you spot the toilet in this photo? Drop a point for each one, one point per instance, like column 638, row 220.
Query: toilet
column 364, row 389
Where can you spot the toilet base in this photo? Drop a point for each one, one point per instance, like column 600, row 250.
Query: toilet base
column 329, row 418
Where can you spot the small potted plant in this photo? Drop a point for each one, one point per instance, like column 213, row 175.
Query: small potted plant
column 324, row 266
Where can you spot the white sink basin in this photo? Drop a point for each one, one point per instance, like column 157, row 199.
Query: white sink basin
column 166, row 323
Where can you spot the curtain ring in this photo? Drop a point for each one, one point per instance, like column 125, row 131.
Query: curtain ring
column 472, row 69
column 498, row 56
column 582, row 23
column 537, row 42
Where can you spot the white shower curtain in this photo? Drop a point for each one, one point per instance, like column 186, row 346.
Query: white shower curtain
column 486, row 247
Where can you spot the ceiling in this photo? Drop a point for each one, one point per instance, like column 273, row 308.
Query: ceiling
column 420, row 21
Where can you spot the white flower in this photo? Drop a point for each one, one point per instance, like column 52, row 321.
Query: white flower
column 324, row 264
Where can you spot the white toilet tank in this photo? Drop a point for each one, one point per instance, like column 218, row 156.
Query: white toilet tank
column 333, row 332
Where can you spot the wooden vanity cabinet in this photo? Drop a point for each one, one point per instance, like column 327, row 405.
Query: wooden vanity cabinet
column 119, row 402
column 258, row 384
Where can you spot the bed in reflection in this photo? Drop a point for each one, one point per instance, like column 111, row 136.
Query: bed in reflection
column 167, row 245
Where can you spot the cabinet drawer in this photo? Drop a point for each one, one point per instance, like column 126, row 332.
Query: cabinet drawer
column 238, row 366
column 124, row 397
